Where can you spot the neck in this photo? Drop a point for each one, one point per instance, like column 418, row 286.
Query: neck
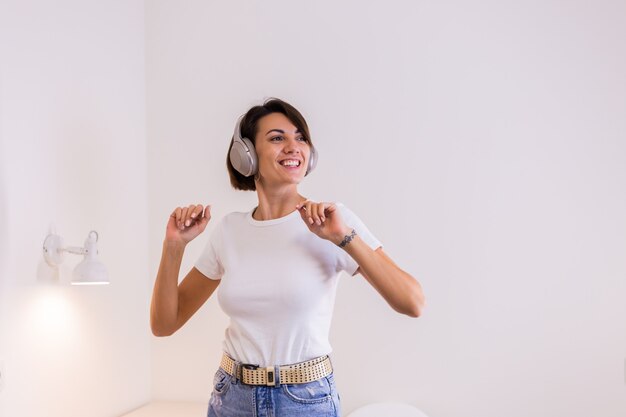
column 277, row 202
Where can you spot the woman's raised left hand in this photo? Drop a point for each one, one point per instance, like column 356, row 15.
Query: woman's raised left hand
column 324, row 220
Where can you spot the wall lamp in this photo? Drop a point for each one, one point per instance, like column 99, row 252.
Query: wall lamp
column 90, row 271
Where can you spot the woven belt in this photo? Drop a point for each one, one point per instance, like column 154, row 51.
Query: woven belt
column 298, row 373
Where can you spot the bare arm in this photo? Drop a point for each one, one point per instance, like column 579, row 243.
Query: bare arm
column 173, row 304
column 402, row 291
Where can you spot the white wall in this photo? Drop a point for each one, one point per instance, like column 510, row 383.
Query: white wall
column 4, row 248
column 505, row 120
column 73, row 152
column 483, row 143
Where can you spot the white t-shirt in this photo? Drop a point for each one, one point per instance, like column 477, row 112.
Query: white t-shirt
column 278, row 286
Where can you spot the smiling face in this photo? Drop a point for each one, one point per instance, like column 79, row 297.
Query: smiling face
column 282, row 150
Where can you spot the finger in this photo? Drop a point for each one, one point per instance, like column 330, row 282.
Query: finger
column 320, row 213
column 301, row 205
column 196, row 211
column 176, row 215
column 204, row 220
column 191, row 214
column 309, row 210
column 183, row 217
column 331, row 207
column 205, row 216
column 317, row 212
column 314, row 213
column 303, row 213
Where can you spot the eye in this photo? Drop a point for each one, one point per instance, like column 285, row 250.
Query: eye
column 300, row 138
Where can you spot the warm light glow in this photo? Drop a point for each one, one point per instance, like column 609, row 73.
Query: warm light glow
column 51, row 318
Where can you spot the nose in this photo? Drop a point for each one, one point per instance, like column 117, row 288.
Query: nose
column 292, row 146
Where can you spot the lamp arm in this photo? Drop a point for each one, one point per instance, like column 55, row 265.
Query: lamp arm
column 74, row 249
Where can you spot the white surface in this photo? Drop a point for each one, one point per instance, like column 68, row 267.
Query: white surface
column 388, row 410
column 73, row 153
column 170, row 409
column 2, row 376
column 495, row 176
column 482, row 142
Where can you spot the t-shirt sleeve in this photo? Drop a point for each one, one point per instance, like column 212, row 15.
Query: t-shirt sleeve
column 209, row 262
column 345, row 261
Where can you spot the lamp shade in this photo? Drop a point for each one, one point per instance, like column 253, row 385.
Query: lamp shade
column 90, row 271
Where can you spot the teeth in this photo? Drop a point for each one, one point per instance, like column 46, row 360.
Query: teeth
column 290, row 163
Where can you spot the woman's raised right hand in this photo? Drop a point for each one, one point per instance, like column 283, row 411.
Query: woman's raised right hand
column 185, row 223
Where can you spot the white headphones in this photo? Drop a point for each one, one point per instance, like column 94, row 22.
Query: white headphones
column 244, row 158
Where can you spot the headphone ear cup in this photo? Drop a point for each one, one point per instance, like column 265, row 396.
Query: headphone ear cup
column 312, row 161
column 254, row 159
column 243, row 157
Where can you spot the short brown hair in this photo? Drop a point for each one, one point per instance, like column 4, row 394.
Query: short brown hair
column 249, row 128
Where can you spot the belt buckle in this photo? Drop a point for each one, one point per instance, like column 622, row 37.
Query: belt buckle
column 271, row 376
column 270, row 373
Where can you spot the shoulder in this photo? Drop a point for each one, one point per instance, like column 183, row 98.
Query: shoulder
column 235, row 215
column 234, row 220
column 343, row 209
column 228, row 220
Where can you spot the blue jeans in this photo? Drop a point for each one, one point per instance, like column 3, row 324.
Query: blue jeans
column 232, row 398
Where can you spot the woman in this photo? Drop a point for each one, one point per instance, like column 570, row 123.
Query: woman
column 277, row 267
